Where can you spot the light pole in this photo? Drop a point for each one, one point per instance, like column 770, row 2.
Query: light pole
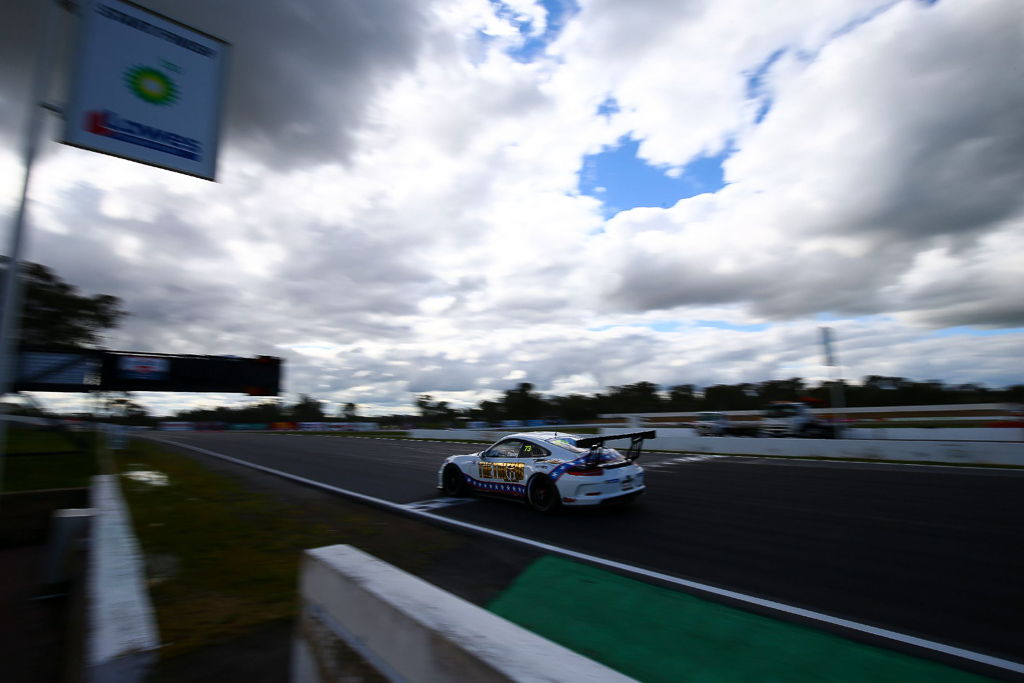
column 836, row 389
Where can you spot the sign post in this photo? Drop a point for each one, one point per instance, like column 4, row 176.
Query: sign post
column 838, row 399
column 11, row 301
column 146, row 88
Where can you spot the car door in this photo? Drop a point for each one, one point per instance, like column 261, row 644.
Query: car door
column 500, row 470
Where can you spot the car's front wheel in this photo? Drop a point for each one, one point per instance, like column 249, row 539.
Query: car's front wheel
column 542, row 495
column 452, row 482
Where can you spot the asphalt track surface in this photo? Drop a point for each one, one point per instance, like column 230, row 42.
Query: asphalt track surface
column 928, row 551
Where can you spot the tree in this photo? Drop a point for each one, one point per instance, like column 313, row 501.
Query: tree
column 122, row 408
column 639, row 397
column 683, row 398
column 350, row 411
column 432, row 411
column 308, row 409
column 522, row 403
column 576, row 407
column 780, row 390
column 55, row 314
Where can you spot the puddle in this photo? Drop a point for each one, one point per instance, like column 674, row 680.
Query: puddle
column 151, row 477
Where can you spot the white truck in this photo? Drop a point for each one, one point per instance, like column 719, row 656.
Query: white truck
column 713, row 423
column 794, row 419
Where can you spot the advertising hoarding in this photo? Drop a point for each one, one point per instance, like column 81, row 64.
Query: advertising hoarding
column 146, row 88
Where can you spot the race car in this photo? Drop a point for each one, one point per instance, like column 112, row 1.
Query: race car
column 547, row 470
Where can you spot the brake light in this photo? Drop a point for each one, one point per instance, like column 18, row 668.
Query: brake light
column 585, row 472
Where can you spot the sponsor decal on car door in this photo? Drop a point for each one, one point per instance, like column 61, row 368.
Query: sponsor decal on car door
column 501, row 471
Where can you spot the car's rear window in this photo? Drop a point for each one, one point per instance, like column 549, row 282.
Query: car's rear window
column 567, row 442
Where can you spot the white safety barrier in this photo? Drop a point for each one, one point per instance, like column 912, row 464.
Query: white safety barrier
column 685, row 440
column 411, row 630
column 488, row 435
column 940, row 433
column 122, row 636
column 974, row 452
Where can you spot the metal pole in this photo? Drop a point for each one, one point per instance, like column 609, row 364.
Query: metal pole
column 9, row 314
column 836, row 388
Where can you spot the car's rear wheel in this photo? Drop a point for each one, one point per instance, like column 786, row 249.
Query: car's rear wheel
column 452, row 482
column 542, row 495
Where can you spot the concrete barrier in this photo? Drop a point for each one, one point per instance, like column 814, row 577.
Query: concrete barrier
column 410, row 630
column 937, row 433
column 488, row 435
column 122, row 636
column 974, row 452
column 685, row 440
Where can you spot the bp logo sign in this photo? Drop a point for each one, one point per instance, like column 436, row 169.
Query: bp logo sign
column 151, row 85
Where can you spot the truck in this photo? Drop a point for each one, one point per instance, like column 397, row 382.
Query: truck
column 794, row 419
column 713, row 423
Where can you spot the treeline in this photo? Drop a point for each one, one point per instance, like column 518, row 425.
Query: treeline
column 523, row 403
column 307, row 409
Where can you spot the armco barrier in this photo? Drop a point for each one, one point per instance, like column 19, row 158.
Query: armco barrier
column 411, row 630
column 122, row 637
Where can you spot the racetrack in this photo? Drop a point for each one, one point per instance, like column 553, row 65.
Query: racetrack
column 932, row 552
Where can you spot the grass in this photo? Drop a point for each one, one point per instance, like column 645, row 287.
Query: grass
column 222, row 558
column 47, row 460
column 20, row 440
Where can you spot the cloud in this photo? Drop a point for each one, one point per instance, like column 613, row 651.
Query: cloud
column 302, row 73
column 398, row 208
column 893, row 142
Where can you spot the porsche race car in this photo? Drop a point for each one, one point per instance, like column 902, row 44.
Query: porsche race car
column 547, row 470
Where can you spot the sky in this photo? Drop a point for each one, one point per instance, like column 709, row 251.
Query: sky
column 455, row 196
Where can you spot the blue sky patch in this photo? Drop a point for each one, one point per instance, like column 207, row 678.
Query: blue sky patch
column 558, row 13
column 622, row 181
column 756, row 89
column 723, row 325
column 608, row 108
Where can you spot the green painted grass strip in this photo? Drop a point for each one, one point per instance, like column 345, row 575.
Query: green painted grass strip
column 656, row 634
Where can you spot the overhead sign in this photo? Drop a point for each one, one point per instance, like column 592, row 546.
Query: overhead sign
column 259, row 376
column 143, row 367
column 146, row 88
column 80, row 370
column 57, row 370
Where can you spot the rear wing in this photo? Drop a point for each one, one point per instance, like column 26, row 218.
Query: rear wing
column 636, row 441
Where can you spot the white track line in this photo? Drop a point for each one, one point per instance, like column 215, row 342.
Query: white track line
column 436, row 503
column 969, row 655
column 684, row 459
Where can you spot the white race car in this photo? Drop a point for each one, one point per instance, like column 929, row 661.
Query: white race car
column 549, row 469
